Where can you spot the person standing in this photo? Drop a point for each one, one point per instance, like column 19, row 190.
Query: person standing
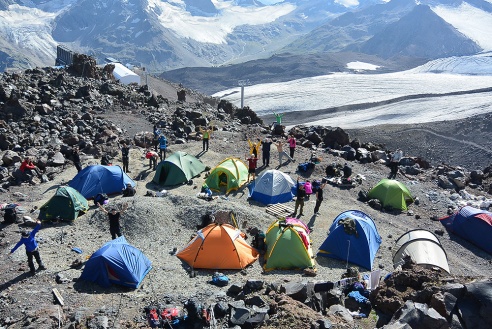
column 76, row 158
column 281, row 152
column 125, row 156
column 319, row 198
column 32, row 249
column 395, row 161
column 278, row 118
column 292, row 145
column 265, row 151
column 206, row 135
column 114, row 220
column 301, row 194
column 252, row 163
column 157, row 134
column 162, row 147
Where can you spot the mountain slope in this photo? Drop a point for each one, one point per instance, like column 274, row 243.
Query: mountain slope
column 409, row 37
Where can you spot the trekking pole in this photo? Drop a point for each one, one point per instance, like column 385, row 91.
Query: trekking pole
column 348, row 252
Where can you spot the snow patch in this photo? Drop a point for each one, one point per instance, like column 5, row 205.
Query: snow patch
column 475, row 23
column 214, row 29
column 361, row 66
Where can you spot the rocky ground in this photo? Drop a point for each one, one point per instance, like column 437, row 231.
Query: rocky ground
column 158, row 225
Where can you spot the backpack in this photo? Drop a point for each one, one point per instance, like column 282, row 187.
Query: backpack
column 220, row 279
column 100, row 198
column 315, row 185
column 10, row 215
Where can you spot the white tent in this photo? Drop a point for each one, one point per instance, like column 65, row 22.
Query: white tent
column 423, row 248
column 125, row 75
column 272, row 187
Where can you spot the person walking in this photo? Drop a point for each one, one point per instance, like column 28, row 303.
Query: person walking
column 395, row 161
column 162, row 147
column 265, row 151
column 301, row 194
column 114, row 219
column 292, row 145
column 319, row 198
column 125, row 157
column 252, row 163
column 281, row 153
column 32, row 248
column 206, row 135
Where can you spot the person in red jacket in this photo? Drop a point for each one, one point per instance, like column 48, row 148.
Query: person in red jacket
column 252, row 162
column 29, row 170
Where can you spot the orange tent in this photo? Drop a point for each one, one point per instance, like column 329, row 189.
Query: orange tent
column 218, row 247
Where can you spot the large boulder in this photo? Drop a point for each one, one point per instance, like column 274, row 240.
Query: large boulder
column 417, row 315
column 334, row 137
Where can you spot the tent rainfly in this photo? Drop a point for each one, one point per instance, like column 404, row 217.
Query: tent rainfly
column 231, row 173
column 117, row 262
column 391, row 193
column 352, row 237
column 93, row 180
column 423, row 248
column 272, row 186
column 178, row 168
column 67, row 204
column 288, row 246
column 218, row 247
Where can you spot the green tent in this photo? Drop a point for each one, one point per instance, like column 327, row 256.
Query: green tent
column 391, row 193
column 178, row 168
column 288, row 246
column 231, row 172
column 67, row 203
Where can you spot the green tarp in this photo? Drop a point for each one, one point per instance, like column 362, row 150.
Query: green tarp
column 231, row 173
column 391, row 193
column 178, row 168
column 67, row 204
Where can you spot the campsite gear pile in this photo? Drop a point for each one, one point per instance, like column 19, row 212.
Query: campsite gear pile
column 10, row 213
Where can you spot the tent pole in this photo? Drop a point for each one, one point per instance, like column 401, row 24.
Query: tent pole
column 348, row 252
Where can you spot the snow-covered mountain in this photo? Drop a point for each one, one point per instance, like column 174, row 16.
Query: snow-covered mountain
column 167, row 34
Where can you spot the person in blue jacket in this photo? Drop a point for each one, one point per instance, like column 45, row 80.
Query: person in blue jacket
column 162, row 147
column 32, row 249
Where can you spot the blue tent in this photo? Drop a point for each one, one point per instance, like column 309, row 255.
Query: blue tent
column 93, row 180
column 272, row 186
column 117, row 262
column 471, row 224
column 352, row 235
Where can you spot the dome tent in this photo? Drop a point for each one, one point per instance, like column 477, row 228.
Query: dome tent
column 230, row 172
column 352, row 236
column 117, row 262
column 474, row 225
column 272, row 186
column 66, row 204
column 423, row 248
column 93, row 180
column 178, row 168
column 288, row 246
column 391, row 193
column 218, row 246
